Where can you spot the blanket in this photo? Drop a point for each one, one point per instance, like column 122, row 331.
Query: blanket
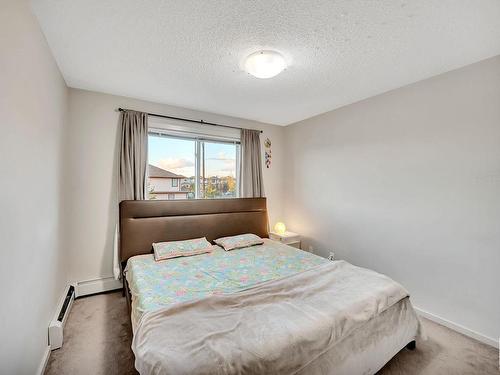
column 276, row 327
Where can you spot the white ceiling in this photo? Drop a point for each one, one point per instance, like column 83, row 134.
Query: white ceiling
column 188, row 52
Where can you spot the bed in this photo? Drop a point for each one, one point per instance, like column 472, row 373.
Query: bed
column 268, row 308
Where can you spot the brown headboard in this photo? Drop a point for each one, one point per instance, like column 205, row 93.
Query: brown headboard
column 145, row 222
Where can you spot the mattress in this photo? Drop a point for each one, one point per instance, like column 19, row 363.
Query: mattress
column 156, row 285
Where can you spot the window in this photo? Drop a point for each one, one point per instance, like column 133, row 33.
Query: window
column 183, row 167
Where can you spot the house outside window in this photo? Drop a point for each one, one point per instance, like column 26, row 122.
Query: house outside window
column 183, row 167
column 161, row 184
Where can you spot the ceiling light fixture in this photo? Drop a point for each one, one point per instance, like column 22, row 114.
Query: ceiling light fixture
column 265, row 64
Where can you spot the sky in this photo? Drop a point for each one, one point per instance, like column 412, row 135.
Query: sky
column 178, row 156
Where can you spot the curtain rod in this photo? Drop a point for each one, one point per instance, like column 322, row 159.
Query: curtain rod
column 185, row 119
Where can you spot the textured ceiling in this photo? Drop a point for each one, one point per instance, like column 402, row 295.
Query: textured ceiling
column 188, row 53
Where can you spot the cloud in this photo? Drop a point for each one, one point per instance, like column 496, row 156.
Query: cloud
column 222, row 165
column 221, row 156
column 174, row 163
column 177, row 165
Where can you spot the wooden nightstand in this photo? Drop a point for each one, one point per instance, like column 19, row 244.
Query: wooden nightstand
column 288, row 238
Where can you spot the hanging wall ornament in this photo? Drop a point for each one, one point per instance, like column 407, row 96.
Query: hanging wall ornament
column 267, row 153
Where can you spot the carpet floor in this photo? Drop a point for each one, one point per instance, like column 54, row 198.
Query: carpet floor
column 97, row 339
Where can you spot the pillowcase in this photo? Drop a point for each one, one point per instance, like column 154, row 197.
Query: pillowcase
column 236, row 242
column 174, row 249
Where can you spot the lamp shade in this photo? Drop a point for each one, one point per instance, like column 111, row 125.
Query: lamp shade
column 280, row 228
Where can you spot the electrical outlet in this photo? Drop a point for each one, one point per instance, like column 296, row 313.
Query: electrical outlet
column 331, row 256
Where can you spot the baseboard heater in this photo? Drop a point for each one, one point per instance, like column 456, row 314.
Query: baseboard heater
column 57, row 325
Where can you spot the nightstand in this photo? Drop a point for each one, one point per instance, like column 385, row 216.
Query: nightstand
column 288, row 238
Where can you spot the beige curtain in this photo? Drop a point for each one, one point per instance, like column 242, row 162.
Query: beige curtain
column 133, row 155
column 251, row 183
column 133, row 163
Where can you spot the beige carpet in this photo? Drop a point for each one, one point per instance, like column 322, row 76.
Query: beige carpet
column 97, row 340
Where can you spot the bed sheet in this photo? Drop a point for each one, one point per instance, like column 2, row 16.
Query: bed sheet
column 155, row 285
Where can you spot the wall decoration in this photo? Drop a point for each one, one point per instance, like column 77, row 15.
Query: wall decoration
column 267, row 153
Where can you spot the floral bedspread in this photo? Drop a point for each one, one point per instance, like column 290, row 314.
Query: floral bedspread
column 159, row 284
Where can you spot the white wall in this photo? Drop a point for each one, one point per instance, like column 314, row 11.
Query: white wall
column 33, row 108
column 164, row 184
column 408, row 183
column 91, row 172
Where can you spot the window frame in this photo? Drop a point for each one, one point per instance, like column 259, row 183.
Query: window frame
column 199, row 139
column 176, row 180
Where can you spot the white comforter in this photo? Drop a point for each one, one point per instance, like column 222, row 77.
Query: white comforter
column 277, row 327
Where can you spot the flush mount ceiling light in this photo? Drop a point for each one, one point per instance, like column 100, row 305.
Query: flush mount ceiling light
column 265, row 64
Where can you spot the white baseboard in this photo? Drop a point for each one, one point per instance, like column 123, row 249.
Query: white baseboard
column 56, row 327
column 43, row 363
column 458, row 328
column 83, row 288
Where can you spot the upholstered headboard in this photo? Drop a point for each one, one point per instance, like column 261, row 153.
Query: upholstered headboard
column 145, row 222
